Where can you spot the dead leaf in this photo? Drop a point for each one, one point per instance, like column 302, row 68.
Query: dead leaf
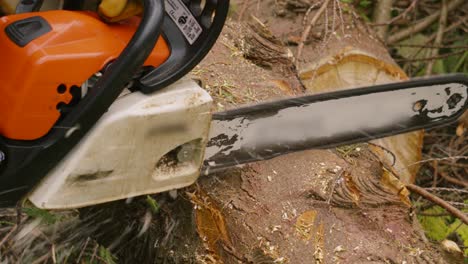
column 353, row 189
column 210, row 222
column 396, row 186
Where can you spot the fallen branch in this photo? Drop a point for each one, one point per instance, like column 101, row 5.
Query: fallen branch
column 439, row 36
column 306, row 31
column 422, row 24
column 429, row 196
column 382, row 14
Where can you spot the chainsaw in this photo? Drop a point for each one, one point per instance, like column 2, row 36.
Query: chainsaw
column 92, row 112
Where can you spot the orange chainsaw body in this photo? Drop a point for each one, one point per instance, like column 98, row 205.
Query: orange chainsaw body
column 37, row 70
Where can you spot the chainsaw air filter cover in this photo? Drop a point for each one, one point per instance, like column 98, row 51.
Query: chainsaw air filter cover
column 47, row 56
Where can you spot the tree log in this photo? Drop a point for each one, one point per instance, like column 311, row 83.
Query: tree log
column 319, row 206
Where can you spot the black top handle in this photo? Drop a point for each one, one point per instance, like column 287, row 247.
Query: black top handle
column 210, row 15
column 24, row 163
column 26, row 6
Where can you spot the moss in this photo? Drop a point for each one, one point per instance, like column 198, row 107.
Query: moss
column 442, row 226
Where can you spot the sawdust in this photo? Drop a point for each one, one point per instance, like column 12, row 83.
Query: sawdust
column 305, row 224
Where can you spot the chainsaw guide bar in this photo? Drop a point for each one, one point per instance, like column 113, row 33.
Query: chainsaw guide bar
column 267, row 130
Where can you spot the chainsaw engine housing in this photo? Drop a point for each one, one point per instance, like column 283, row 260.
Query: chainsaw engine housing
column 144, row 144
column 46, row 57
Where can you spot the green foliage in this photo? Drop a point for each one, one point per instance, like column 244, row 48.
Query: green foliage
column 152, row 204
column 409, row 52
column 45, row 216
column 457, row 62
column 6, row 223
column 439, row 228
column 436, row 227
column 452, row 55
column 106, row 255
column 361, row 3
column 365, row 3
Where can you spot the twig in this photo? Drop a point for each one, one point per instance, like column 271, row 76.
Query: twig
column 340, row 12
column 306, row 31
column 335, row 180
column 422, row 24
column 394, row 159
column 464, row 205
column 82, row 251
column 52, row 252
column 94, row 253
column 435, row 165
column 433, row 57
column 433, row 215
column 458, row 165
column 44, row 258
column 5, row 238
column 307, row 13
column 431, row 46
column 439, row 36
column 429, row 196
column 439, row 159
column 454, row 180
column 442, row 189
column 382, row 13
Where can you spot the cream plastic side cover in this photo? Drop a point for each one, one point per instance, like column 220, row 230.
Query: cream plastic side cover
column 144, row 144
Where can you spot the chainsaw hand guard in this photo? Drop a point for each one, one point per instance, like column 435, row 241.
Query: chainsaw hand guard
column 186, row 55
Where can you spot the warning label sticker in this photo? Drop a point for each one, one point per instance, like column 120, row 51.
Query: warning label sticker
column 183, row 19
